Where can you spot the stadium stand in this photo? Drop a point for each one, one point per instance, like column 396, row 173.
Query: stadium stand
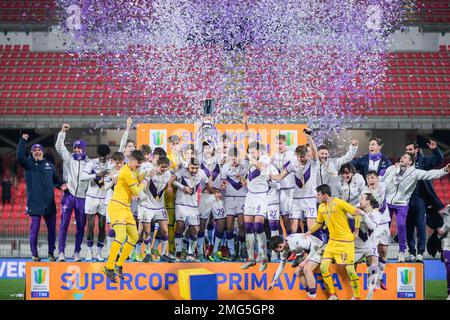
column 48, row 83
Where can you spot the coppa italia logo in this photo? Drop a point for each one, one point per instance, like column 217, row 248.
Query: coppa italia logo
column 291, row 137
column 39, row 276
column 406, row 283
column 40, row 282
column 406, row 276
column 158, row 138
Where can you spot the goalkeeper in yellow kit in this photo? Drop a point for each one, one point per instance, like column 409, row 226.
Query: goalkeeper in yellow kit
column 119, row 212
column 341, row 245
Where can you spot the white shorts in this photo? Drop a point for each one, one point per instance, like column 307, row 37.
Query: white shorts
column 303, row 209
column 367, row 249
column 286, row 197
column 208, row 204
column 189, row 215
column 256, row 204
column 94, row 205
column 384, row 235
column 147, row 214
column 273, row 212
column 317, row 256
column 234, row 205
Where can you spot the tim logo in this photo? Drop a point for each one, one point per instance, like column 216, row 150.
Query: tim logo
column 40, row 282
column 158, row 138
column 406, row 283
column 291, row 138
column 39, row 276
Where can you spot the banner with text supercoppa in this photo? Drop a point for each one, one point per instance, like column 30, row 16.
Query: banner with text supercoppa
column 222, row 281
column 156, row 134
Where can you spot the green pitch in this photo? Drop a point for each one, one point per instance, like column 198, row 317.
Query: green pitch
column 13, row 289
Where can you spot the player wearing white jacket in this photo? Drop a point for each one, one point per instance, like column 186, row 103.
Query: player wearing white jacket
column 74, row 197
column 95, row 172
column 401, row 180
column 329, row 167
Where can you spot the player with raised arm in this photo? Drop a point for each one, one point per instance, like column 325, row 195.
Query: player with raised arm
column 127, row 145
column 299, row 243
column 378, row 190
column 367, row 240
column 119, row 212
column 340, row 248
column 74, row 198
column 304, row 170
column 401, row 180
column 211, row 201
column 95, row 172
column 281, row 159
column 234, row 184
column 256, row 204
column 329, row 167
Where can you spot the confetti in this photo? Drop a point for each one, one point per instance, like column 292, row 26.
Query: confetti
column 280, row 61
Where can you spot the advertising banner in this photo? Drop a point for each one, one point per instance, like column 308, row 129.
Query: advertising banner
column 204, row 281
column 156, row 134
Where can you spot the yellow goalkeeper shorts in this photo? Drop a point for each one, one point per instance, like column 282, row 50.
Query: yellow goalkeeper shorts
column 340, row 252
column 119, row 213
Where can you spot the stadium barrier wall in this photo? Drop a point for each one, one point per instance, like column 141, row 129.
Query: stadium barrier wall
column 204, row 281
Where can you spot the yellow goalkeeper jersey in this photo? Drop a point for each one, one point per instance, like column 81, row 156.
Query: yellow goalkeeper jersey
column 127, row 186
column 334, row 216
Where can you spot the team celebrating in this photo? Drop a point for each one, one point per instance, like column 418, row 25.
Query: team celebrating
column 210, row 201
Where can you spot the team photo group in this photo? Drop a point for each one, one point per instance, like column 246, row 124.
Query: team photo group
column 211, row 201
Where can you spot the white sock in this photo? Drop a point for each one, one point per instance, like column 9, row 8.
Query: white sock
column 178, row 244
column 192, row 244
column 200, row 244
column 262, row 245
column 250, row 244
column 230, row 245
column 217, row 243
column 381, row 267
column 373, row 276
column 99, row 250
column 109, row 241
column 164, row 247
column 138, row 247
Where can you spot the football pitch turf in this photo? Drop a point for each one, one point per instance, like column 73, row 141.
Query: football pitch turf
column 14, row 289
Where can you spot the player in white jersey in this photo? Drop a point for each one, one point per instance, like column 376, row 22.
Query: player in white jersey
column 256, row 204
column 329, row 167
column 126, row 145
column 304, row 170
column 281, row 160
column 233, row 183
column 351, row 185
column 147, row 166
column 273, row 210
column 366, row 241
column 188, row 182
column 444, row 233
column 209, row 202
column 95, row 172
column 378, row 190
column 116, row 163
column 299, row 243
column 151, row 205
